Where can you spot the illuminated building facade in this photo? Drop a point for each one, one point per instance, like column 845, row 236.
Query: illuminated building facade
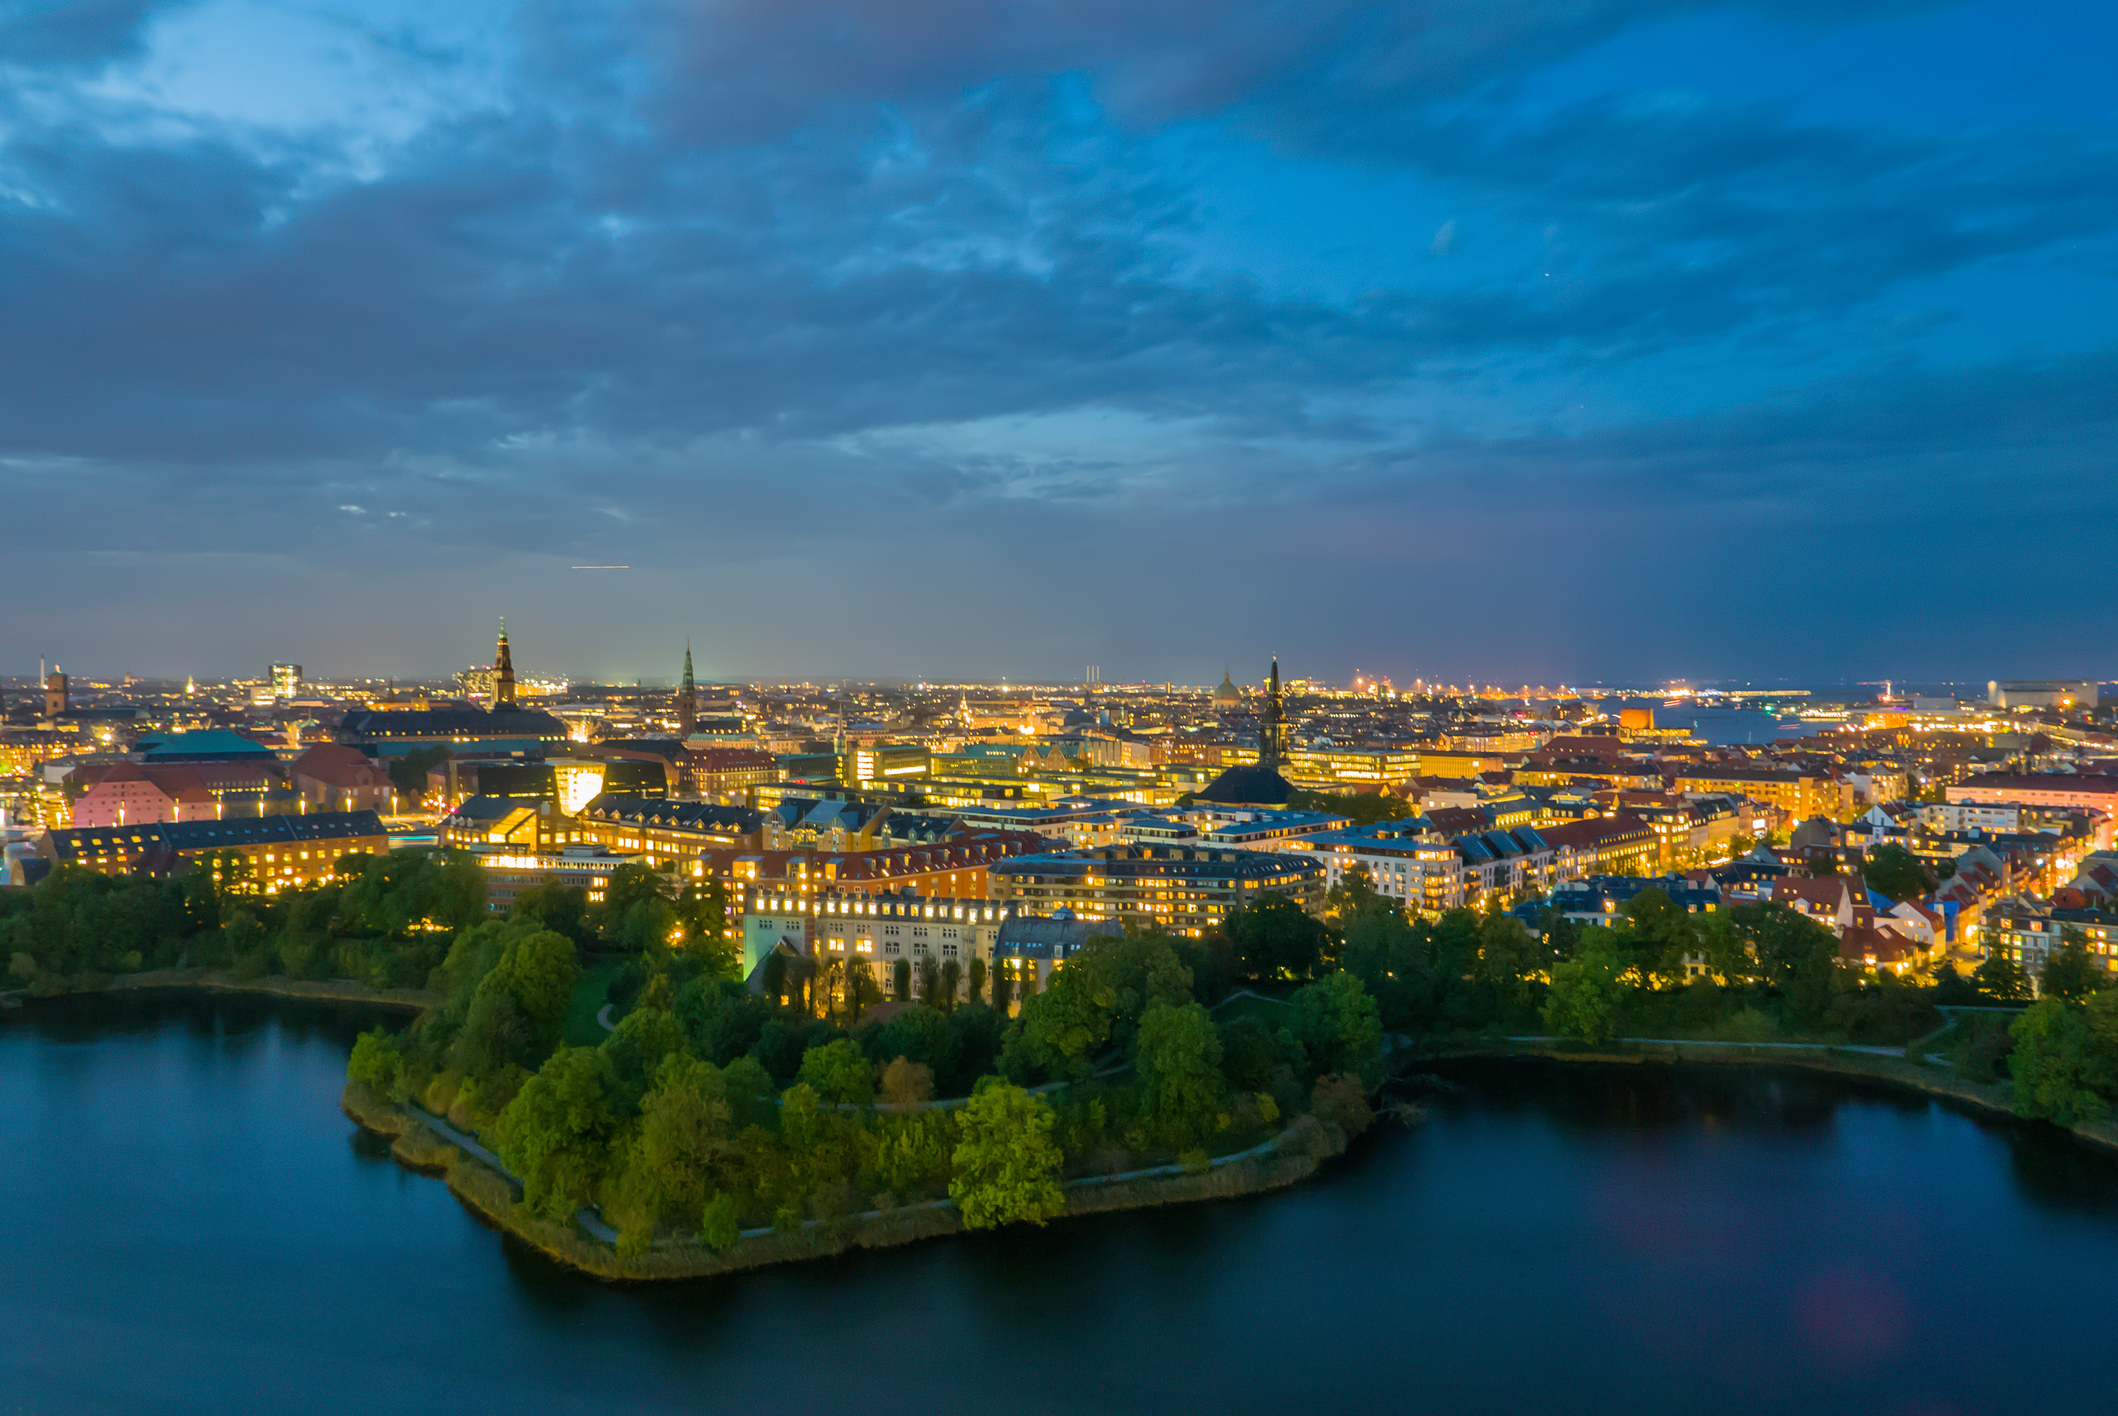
column 278, row 851
column 1186, row 889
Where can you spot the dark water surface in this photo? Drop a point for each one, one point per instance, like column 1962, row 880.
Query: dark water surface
column 193, row 1226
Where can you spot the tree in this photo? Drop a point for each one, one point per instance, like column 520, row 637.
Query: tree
column 2070, row 974
column 2001, row 979
column 686, row 1140
column 563, row 909
column 409, row 773
column 901, row 981
column 1276, row 938
column 1366, row 808
column 976, row 987
column 1067, row 1024
column 1179, row 1059
column 951, row 981
column 2060, row 1072
column 1337, row 1024
column 839, row 1072
column 1588, row 992
column 907, row 1083
column 1006, row 1164
column 557, row 1131
column 377, row 1061
column 539, row 971
column 1894, row 871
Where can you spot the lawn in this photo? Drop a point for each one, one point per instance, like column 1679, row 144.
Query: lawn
column 1269, row 1011
column 582, row 1029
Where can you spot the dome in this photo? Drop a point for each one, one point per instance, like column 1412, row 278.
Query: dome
column 1227, row 695
column 1248, row 786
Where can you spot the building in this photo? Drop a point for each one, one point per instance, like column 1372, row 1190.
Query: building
column 665, row 832
column 329, row 777
column 279, row 852
column 1800, row 792
column 387, row 732
column 286, row 681
column 2031, row 935
column 1185, row 889
column 2041, row 693
column 1600, row 900
column 510, row 872
column 1405, row 860
column 2075, row 791
column 727, row 772
column 1030, row 947
column 956, row 867
column 878, row 928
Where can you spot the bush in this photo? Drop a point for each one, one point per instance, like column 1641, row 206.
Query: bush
column 1342, row 1099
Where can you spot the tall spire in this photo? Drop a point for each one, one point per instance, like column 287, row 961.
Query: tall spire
column 687, row 699
column 1272, row 735
column 503, row 672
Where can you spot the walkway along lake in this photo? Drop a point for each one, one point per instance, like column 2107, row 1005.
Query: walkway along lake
column 196, row 1227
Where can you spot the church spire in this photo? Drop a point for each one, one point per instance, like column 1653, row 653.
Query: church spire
column 503, row 672
column 1272, row 737
column 687, row 699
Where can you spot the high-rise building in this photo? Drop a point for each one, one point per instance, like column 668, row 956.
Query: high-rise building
column 503, row 672
column 55, row 696
column 286, row 681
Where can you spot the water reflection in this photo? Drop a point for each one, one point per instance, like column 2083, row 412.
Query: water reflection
column 1636, row 1239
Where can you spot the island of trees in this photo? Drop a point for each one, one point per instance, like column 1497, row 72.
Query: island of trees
column 612, row 1059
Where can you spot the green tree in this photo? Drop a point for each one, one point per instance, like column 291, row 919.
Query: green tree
column 1179, row 1060
column 642, row 1042
column 1067, row 1024
column 720, row 1225
column 2001, row 978
column 1894, row 871
column 2069, row 973
column 976, row 986
column 377, row 1061
column 839, row 1072
column 1276, row 938
column 409, row 773
column 563, row 909
column 1006, row 1164
column 1589, row 991
column 901, row 981
column 539, row 972
column 1337, row 1024
column 557, row 1132
column 2061, row 1074
column 686, row 1140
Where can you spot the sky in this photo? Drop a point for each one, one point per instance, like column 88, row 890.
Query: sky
column 1541, row 341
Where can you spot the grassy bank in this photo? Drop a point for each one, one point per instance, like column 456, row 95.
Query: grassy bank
column 1984, row 1097
column 492, row 1196
column 328, row 990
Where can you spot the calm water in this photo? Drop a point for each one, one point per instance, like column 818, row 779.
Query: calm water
column 193, row 1226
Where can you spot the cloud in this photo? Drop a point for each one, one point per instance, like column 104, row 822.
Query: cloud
column 779, row 279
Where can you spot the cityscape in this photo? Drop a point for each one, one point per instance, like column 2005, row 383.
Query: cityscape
column 1058, row 709
column 1991, row 805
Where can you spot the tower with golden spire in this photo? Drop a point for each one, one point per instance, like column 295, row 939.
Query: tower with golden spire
column 503, row 673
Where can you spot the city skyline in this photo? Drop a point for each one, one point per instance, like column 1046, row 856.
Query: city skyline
column 1628, row 340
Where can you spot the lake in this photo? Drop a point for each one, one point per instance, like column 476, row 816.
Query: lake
column 195, row 1227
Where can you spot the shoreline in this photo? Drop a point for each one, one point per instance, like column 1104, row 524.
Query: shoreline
column 1294, row 1155
column 330, row 990
column 1990, row 1099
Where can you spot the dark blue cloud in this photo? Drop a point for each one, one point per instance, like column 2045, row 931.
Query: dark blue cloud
column 753, row 294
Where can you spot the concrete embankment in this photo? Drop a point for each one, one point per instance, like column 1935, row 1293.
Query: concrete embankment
column 494, row 1197
column 1983, row 1097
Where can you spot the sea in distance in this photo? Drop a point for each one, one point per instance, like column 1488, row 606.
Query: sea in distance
column 194, row 1227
